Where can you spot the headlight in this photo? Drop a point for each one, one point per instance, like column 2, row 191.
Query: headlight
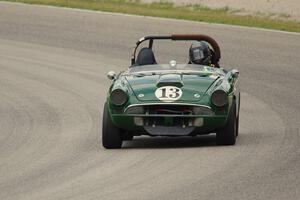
column 219, row 98
column 118, row 97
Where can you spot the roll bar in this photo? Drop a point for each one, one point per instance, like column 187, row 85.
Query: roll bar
column 198, row 37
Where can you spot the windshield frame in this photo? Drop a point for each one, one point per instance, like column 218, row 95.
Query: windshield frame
column 178, row 69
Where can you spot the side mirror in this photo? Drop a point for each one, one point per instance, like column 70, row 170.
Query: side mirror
column 111, row 75
column 235, row 73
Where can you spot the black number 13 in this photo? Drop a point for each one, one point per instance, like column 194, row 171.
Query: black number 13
column 169, row 93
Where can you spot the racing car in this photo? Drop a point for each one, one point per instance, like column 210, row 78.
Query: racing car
column 171, row 99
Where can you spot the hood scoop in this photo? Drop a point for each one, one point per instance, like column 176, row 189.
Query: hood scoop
column 170, row 80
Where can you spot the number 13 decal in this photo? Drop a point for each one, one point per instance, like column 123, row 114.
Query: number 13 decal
column 168, row 93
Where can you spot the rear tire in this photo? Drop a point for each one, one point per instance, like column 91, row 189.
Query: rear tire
column 227, row 135
column 111, row 135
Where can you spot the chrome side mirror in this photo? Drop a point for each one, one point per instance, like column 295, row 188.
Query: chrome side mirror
column 235, row 73
column 111, row 75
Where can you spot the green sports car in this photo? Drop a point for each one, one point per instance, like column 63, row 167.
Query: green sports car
column 171, row 99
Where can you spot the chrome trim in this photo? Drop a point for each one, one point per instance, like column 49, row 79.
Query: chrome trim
column 111, row 75
column 166, row 115
column 168, row 71
column 178, row 104
column 155, row 115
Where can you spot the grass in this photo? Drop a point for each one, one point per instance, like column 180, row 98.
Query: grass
column 168, row 10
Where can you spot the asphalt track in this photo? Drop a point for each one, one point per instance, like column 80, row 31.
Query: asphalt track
column 53, row 65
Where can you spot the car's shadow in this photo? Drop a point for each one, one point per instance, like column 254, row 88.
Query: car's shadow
column 170, row 142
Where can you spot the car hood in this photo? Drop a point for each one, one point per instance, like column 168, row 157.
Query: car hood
column 193, row 86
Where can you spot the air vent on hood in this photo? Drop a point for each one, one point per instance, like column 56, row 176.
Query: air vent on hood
column 170, row 80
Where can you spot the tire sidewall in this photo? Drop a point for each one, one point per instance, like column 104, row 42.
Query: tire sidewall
column 111, row 135
column 227, row 135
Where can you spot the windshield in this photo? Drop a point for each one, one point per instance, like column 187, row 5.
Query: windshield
column 179, row 68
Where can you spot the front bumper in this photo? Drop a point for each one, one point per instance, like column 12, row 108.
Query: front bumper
column 209, row 123
column 175, row 119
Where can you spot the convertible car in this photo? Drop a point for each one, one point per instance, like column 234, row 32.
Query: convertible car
column 171, row 99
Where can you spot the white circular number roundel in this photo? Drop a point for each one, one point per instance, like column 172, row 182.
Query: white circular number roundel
column 168, row 93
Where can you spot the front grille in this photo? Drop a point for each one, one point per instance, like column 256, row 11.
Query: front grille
column 169, row 110
column 168, row 115
column 164, row 121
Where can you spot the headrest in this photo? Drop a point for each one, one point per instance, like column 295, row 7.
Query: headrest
column 145, row 57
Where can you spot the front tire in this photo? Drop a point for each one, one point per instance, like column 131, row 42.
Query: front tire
column 237, row 124
column 227, row 135
column 111, row 135
column 238, row 117
column 127, row 136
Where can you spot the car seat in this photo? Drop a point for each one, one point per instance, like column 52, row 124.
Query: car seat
column 145, row 57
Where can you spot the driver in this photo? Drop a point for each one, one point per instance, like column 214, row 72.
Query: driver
column 201, row 54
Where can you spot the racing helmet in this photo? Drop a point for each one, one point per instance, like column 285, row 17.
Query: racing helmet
column 200, row 53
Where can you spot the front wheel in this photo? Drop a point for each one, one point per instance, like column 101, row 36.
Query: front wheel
column 227, row 135
column 127, row 136
column 111, row 135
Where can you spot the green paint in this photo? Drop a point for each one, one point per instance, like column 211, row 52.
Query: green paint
column 192, row 83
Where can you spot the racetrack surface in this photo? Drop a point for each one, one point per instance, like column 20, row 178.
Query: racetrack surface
column 53, row 85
